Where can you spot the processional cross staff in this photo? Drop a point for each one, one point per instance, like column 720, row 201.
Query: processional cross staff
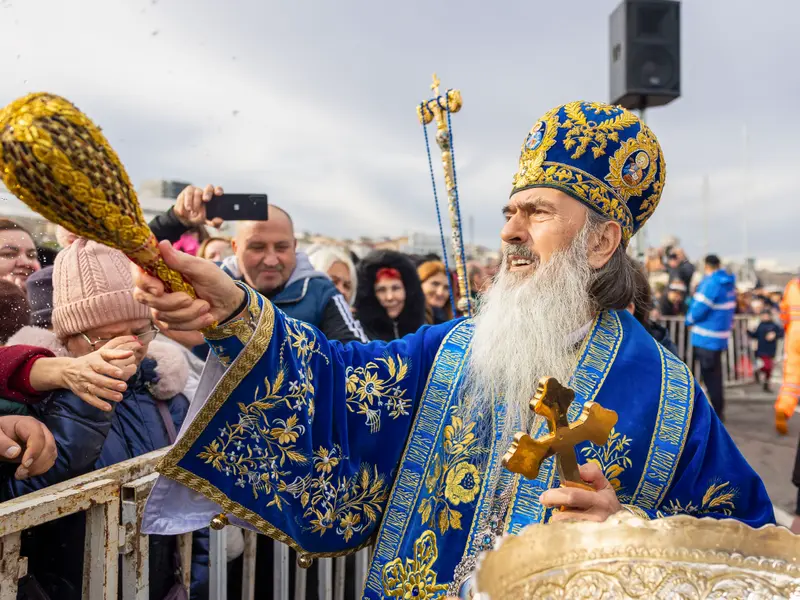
column 439, row 108
column 552, row 401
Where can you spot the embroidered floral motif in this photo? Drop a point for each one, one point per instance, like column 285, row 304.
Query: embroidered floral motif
column 302, row 344
column 369, row 395
column 454, row 478
column 613, row 459
column 261, row 447
column 719, row 498
column 416, row 578
column 348, row 504
column 584, row 132
column 534, row 151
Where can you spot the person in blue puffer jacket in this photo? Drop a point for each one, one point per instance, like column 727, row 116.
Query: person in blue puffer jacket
column 94, row 308
column 710, row 317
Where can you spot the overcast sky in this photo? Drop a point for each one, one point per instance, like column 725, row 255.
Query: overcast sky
column 313, row 102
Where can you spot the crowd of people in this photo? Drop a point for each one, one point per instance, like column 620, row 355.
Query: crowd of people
column 87, row 378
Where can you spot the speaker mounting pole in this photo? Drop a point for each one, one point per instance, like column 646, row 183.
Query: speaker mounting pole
column 640, row 248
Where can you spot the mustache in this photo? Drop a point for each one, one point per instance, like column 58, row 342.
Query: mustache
column 277, row 269
column 521, row 251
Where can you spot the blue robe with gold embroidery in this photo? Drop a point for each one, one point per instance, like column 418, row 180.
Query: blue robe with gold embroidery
column 329, row 447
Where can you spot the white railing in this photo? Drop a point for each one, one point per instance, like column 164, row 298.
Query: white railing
column 113, row 500
column 738, row 361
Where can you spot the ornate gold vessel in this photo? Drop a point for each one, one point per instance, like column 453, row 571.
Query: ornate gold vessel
column 680, row 558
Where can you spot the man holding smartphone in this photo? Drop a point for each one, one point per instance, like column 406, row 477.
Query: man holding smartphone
column 266, row 258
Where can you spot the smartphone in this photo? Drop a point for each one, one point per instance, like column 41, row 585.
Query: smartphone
column 238, row 207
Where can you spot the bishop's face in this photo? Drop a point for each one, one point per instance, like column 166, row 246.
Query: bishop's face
column 539, row 222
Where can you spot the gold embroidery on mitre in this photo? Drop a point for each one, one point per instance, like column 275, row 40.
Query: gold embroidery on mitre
column 583, row 132
column 541, row 138
column 649, row 204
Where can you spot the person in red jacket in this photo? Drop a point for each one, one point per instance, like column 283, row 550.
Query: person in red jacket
column 28, row 373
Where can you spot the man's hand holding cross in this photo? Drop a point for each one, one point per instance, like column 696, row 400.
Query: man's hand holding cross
column 585, row 495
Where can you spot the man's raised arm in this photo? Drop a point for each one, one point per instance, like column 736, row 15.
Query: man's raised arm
column 301, row 436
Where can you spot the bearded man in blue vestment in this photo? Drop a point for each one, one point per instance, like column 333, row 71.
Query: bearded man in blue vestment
column 330, row 447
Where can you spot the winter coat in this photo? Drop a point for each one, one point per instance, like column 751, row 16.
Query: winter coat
column 310, row 296
column 372, row 316
column 767, row 347
column 711, row 313
column 88, row 439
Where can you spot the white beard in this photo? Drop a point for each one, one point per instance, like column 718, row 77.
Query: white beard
column 522, row 333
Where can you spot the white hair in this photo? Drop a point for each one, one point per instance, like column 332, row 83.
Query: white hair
column 525, row 330
column 323, row 257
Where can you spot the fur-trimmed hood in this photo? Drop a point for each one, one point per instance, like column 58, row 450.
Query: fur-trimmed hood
column 372, row 315
column 171, row 368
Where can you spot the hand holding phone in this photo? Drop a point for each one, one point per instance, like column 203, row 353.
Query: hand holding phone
column 238, row 207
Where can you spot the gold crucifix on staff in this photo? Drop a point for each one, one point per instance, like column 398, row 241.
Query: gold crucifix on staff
column 552, row 401
column 439, row 108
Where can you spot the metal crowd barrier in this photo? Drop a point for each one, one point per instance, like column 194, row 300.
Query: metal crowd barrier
column 738, row 361
column 113, row 500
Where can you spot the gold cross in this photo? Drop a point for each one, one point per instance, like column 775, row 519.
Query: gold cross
column 435, row 85
column 552, row 401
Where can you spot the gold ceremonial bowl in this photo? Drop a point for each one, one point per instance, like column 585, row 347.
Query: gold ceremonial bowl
column 680, row 558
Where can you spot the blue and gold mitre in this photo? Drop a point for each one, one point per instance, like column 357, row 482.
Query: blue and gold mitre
column 600, row 154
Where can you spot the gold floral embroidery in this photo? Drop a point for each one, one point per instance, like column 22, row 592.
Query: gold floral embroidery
column 534, row 151
column 719, row 498
column 583, row 132
column 613, row 459
column 261, row 449
column 368, row 394
column 348, row 504
column 453, row 479
column 416, row 578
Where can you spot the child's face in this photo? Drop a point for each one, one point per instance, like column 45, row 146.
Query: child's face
column 765, row 316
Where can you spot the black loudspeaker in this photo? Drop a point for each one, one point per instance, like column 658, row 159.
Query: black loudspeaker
column 645, row 53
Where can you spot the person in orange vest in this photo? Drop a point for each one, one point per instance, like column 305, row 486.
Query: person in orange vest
column 790, row 389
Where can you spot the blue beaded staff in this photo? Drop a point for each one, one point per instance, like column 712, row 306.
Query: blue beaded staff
column 440, row 107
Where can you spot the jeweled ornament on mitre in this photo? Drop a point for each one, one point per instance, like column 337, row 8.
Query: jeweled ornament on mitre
column 627, row 558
